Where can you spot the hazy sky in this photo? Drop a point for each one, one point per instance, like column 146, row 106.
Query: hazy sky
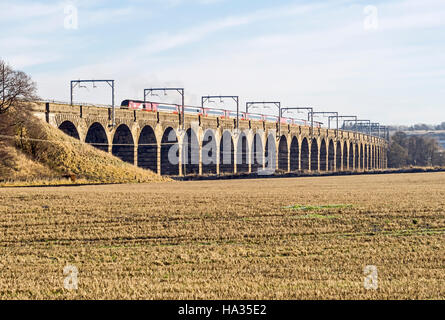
column 380, row 60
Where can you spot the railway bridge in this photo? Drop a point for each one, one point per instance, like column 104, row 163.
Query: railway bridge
column 214, row 145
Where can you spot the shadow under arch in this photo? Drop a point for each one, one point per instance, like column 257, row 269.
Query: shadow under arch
column 356, row 158
column 305, row 165
column 226, row 153
column 283, row 154
column 190, row 153
column 257, row 154
column 351, row 156
column 242, row 154
column 270, row 154
column 97, row 137
column 294, row 155
column 314, row 155
column 148, row 149
column 377, row 158
column 69, row 129
column 366, row 157
column 338, row 156
column 209, row 153
column 123, row 144
column 323, row 154
column 169, row 153
column 331, row 156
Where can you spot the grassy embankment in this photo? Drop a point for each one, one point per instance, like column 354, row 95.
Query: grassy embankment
column 34, row 153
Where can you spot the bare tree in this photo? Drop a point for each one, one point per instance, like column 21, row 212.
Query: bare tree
column 15, row 86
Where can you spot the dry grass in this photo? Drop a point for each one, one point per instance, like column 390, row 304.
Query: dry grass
column 227, row 239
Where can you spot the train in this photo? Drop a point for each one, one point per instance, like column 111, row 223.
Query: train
column 203, row 111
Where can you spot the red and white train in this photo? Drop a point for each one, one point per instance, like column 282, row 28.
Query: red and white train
column 174, row 108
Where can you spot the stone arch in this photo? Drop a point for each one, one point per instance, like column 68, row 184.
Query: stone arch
column 209, row 153
column 323, row 155
column 283, row 154
column 270, row 153
column 69, row 129
column 370, row 158
column 338, row 155
column 123, row 144
column 294, row 155
column 148, row 149
column 97, row 137
column 345, row 156
column 378, row 157
column 242, row 154
column 331, row 156
column 305, row 164
column 384, row 157
column 361, row 156
column 190, row 153
column 314, row 155
column 374, row 156
column 356, row 157
column 365, row 156
column 351, row 156
column 169, row 152
column 257, row 154
column 226, row 153
column 384, row 150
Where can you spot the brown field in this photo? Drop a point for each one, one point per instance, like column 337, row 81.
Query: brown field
column 227, row 239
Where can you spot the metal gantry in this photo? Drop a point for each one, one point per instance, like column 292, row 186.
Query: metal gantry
column 327, row 113
column 381, row 129
column 375, row 125
column 74, row 84
column 345, row 117
column 179, row 90
column 385, row 132
column 275, row 103
column 310, row 109
column 360, row 123
column 235, row 98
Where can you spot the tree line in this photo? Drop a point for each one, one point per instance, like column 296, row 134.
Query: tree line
column 418, row 127
column 414, row 150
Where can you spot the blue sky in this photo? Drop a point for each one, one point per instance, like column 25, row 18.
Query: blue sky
column 319, row 53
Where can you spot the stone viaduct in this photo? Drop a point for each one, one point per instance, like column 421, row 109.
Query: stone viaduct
column 144, row 138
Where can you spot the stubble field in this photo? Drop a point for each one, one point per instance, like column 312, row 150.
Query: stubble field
column 233, row 239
